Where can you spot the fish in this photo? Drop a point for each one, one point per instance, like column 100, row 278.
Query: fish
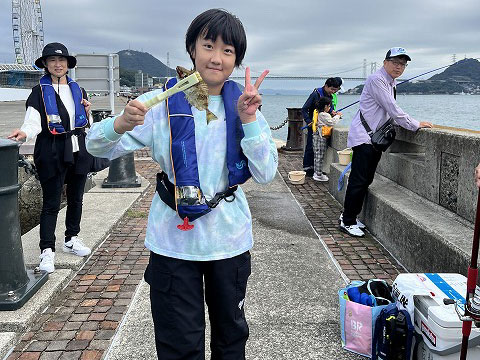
column 197, row 95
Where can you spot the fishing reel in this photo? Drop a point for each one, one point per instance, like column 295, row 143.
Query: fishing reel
column 472, row 308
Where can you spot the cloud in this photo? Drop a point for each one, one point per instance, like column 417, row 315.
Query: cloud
column 290, row 38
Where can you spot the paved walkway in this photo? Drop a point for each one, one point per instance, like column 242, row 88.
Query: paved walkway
column 359, row 258
column 84, row 319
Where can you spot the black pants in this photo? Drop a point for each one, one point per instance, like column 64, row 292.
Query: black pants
column 308, row 155
column 176, row 296
column 364, row 163
column 52, row 193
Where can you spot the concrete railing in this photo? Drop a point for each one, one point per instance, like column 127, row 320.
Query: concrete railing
column 437, row 164
column 422, row 202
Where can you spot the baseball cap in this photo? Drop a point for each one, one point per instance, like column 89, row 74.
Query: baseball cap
column 397, row 51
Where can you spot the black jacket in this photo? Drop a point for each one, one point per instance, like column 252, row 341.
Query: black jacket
column 53, row 153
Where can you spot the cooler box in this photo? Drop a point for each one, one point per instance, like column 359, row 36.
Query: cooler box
column 422, row 295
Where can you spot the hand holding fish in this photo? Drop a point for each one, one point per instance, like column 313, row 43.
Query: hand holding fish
column 133, row 115
column 250, row 100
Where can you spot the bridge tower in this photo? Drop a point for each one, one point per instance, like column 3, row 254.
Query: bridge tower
column 373, row 67
column 364, row 68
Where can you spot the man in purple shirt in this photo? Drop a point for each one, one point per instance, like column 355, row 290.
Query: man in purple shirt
column 377, row 105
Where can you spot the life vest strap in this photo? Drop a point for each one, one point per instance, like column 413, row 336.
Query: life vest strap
column 166, row 191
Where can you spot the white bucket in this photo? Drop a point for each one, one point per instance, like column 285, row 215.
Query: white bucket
column 297, row 177
column 344, row 156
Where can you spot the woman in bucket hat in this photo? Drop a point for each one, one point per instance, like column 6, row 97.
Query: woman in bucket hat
column 57, row 114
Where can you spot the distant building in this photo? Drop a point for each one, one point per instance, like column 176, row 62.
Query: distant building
column 19, row 76
column 142, row 80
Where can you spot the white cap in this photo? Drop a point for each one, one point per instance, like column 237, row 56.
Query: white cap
column 397, row 51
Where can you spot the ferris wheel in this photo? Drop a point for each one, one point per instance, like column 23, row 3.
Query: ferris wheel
column 27, row 24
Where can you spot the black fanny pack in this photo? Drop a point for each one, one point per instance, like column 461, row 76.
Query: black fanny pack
column 383, row 137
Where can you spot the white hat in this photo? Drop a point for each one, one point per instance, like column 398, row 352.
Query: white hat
column 397, row 51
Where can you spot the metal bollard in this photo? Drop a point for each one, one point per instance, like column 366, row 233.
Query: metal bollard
column 295, row 133
column 121, row 173
column 100, row 114
column 17, row 284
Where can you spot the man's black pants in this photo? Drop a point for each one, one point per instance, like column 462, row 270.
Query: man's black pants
column 52, row 194
column 364, row 163
column 177, row 302
column 308, row 155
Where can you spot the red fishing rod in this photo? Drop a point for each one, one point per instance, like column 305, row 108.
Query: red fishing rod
column 472, row 305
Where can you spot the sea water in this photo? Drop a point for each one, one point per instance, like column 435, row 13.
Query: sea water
column 461, row 111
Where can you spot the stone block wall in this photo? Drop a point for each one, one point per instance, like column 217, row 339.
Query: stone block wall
column 437, row 164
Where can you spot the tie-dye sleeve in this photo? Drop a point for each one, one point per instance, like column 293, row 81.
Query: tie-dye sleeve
column 260, row 149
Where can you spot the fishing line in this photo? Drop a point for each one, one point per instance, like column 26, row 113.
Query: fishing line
column 403, row 82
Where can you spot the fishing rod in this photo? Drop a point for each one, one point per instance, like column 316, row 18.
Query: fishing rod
column 403, row 82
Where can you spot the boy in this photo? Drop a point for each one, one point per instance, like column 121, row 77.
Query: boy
column 196, row 158
column 321, row 117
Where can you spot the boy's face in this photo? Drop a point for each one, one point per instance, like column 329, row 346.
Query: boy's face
column 214, row 60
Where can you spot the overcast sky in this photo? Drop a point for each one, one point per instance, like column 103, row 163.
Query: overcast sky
column 300, row 37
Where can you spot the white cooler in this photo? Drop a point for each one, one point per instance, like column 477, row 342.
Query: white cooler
column 422, row 295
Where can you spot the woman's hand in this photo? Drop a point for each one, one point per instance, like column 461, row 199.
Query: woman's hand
column 133, row 115
column 250, row 100
column 87, row 104
column 17, row 135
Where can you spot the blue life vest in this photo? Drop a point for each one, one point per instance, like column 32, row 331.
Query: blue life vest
column 49, row 99
column 183, row 150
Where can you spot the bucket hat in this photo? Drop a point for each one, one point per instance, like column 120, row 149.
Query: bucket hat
column 55, row 49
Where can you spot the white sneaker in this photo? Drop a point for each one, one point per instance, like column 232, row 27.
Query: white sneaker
column 47, row 260
column 321, row 177
column 352, row 230
column 359, row 223
column 75, row 246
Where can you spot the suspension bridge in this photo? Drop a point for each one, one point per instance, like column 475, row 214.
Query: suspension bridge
column 363, row 77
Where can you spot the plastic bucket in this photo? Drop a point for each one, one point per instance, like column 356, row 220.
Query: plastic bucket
column 297, row 177
column 344, row 156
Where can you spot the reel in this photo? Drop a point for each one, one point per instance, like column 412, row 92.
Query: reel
column 472, row 309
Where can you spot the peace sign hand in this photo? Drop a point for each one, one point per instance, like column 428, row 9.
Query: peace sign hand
column 250, row 100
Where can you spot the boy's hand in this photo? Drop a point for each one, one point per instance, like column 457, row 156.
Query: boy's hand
column 133, row 115
column 250, row 100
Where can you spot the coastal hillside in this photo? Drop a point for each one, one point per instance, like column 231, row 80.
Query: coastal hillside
column 131, row 61
column 461, row 77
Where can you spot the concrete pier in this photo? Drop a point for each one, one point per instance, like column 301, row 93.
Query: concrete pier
column 98, row 307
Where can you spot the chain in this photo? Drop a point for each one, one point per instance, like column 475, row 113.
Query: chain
column 279, row 126
column 27, row 165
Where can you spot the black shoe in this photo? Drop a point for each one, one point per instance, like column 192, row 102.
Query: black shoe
column 309, row 173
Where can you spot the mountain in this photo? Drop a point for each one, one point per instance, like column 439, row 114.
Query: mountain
column 461, row 77
column 131, row 60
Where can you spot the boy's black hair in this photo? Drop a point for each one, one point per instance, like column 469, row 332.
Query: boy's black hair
column 335, row 82
column 217, row 22
column 322, row 102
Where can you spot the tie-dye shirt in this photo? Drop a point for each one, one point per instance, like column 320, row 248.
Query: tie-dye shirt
column 227, row 230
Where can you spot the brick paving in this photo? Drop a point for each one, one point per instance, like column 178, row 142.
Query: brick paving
column 82, row 321
column 360, row 258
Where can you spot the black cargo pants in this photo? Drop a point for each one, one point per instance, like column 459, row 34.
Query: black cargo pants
column 177, row 302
